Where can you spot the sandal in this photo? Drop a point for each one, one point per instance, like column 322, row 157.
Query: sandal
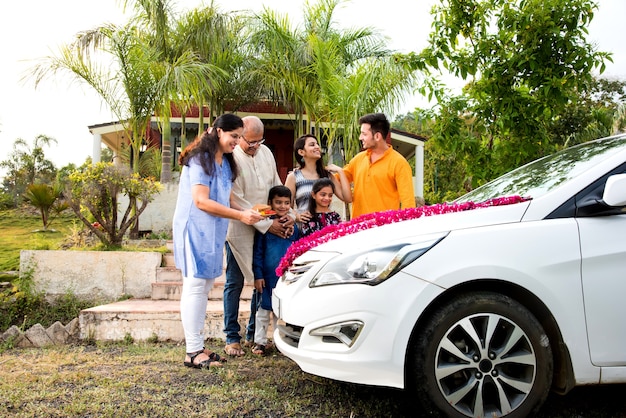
column 234, row 350
column 259, row 350
column 214, row 360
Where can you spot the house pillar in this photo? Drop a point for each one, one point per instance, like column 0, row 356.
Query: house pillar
column 97, row 148
column 419, row 171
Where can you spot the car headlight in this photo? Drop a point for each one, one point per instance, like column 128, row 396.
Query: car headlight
column 374, row 265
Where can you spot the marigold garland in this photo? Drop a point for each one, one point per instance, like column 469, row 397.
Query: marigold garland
column 372, row 220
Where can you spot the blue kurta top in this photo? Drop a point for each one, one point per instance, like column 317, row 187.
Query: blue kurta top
column 268, row 250
column 206, row 233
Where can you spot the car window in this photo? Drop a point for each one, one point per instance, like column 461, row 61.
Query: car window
column 540, row 176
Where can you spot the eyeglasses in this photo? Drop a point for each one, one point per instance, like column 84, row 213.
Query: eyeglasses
column 253, row 143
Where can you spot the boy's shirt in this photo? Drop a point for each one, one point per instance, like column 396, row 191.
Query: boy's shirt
column 267, row 252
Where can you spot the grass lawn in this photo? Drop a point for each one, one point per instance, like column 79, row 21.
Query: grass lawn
column 21, row 230
column 149, row 380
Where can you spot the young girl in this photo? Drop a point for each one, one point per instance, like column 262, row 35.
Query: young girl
column 319, row 207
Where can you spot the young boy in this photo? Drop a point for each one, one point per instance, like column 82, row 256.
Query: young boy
column 268, row 250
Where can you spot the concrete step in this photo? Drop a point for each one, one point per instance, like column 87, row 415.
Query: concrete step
column 168, row 274
column 159, row 316
column 172, row 291
column 144, row 319
column 168, row 260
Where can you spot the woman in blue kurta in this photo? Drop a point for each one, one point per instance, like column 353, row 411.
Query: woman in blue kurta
column 203, row 208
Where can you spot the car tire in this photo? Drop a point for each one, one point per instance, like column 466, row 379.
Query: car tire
column 481, row 354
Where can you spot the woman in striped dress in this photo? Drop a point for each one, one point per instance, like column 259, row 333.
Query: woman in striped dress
column 300, row 181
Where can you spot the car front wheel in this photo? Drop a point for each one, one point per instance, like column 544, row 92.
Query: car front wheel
column 482, row 355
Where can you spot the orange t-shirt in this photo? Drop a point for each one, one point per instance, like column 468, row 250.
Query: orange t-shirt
column 384, row 185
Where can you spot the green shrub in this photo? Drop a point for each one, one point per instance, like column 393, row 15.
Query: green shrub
column 6, row 201
column 93, row 196
column 21, row 306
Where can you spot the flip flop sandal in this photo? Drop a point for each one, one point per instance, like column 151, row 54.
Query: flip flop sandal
column 234, row 350
column 259, row 350
column 206, row 364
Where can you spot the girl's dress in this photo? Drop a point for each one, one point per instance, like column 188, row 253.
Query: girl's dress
column 319, row 221
column 304, row 187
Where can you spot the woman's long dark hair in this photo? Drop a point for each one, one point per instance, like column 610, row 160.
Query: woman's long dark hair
column 205, row 146
column 319, row 164
column 317, row 186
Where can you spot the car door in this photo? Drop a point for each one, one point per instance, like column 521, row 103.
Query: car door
column 603, row 269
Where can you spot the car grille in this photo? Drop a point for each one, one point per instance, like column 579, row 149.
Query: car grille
column 289, row 333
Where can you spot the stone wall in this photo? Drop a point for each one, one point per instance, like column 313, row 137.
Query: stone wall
column 98, row 274
column 38, row 336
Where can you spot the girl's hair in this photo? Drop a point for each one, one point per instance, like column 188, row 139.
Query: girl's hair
column 317, row 186
column 205, row 146
column 319, row 164
column 278, row 191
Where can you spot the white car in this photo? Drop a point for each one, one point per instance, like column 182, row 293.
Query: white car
column 481, row 309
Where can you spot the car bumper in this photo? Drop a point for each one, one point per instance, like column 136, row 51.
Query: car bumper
column 376, row 354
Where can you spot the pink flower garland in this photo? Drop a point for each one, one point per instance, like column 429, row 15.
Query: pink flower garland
column 372, row 220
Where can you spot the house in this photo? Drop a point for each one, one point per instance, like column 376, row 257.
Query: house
column 279, row 135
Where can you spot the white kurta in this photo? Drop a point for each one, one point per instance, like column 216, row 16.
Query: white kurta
column 257, row 175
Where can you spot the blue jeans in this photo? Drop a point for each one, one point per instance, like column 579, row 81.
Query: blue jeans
column 232, row 294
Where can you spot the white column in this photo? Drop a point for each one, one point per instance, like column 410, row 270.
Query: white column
column 419, row 171
column 96, row 150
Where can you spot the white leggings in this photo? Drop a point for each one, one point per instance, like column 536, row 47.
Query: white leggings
column 193, row 303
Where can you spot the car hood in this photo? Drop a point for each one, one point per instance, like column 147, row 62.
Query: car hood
column 411, row 230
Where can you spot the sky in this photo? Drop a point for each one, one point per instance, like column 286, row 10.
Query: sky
column 63, row 109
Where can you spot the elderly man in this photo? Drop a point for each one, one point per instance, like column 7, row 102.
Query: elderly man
column 257, row 175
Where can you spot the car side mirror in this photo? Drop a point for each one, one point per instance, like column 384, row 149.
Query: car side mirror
column 615, row 191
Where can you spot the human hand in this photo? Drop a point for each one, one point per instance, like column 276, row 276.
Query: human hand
column 286, row 221
column 304, row 216
column 333, row 168
column 283, row 227
column 259, row 284
column 250, row 216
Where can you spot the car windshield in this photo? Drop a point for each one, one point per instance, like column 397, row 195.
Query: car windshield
column 540, row 176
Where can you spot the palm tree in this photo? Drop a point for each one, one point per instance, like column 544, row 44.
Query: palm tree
column 116, row 63
column 217, row 39
column 283, row 66
column 375, row 84
column 331, row 75
column 181, row 76
column 27, row 165
column 45, row 198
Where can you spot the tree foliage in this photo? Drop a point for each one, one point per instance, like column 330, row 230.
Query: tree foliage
column 450, row 164
column 27, row 164
column 527, row 64
column 93, row 194
column 325, row 75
